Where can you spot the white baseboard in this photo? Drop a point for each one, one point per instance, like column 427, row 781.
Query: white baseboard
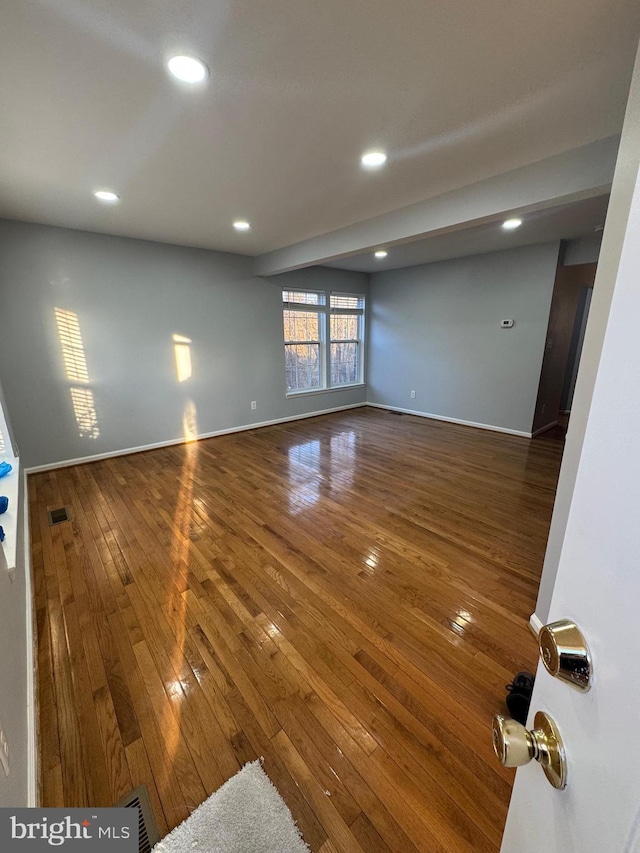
column 544, row 429
column 450, row 420
column 33, row 794
column 66, row 463
column 535, row 624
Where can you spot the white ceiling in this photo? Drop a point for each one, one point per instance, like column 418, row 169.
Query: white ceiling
column 564, row 222
column 455, row 91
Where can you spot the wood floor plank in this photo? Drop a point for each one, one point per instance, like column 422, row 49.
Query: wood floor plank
column 344, row 596
column 176, row 798
column 142, row 774
column 318, row 798
column 113, row 748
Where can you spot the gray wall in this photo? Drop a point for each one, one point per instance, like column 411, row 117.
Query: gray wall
column 130, row 297
column 583, row 250
column 14, row 673
column 436, row 329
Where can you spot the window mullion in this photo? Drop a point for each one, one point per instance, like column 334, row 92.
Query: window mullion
column 326, row 348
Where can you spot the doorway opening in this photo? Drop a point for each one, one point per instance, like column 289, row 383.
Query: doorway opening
column 572, row 292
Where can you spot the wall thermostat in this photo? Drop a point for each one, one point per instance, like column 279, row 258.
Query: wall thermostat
column 506, row 324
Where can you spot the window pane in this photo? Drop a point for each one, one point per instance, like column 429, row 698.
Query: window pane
column 303, row 366
column 301, row 325
column 344, row 300
column 344, row 327
column 304, row 297
column 344, row 363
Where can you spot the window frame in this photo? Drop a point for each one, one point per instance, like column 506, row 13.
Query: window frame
column 325, row 311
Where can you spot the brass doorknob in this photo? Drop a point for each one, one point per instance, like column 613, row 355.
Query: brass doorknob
column 565, row 654
column 514, row 745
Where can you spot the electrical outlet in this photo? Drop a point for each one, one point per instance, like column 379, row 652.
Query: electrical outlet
column 413, row 395
column 254, row 405
column 4, row 753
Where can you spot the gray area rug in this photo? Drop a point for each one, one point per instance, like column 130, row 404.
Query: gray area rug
column 245, row 815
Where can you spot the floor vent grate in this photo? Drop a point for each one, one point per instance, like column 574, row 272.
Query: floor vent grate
column 148, row 834
column 57, row 516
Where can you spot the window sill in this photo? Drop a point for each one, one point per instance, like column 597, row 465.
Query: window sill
column 315, row 391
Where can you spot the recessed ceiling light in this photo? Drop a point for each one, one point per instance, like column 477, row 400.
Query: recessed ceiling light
column 188, row 69
column 373, row 159
column 241, row 225
column 106, row 195
column 380, row 254
column 510, row 224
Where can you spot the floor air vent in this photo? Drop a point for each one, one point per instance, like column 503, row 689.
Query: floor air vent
column 57, row 516
column 148, row 834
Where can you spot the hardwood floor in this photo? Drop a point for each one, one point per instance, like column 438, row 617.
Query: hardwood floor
column 346, row 596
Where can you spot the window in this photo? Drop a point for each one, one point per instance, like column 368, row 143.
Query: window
column 303, row 315
column 346, row 327
column 323, row 343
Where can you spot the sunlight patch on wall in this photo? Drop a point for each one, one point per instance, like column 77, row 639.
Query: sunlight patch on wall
column 85, row 411
column 182, row 351
column 75, row 363
column 189, row 422
column 75, row 367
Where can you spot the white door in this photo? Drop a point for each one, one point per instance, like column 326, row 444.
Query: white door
column 598, row 582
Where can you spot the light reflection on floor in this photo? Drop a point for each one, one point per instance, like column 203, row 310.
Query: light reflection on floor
column 304, row 475
column 460, row 622
column 179, row 553
column 372, row 559
column 315, row 466
column 343, row 449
